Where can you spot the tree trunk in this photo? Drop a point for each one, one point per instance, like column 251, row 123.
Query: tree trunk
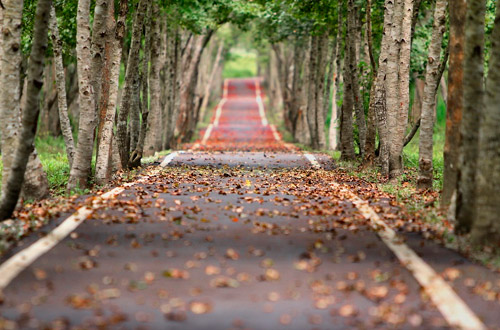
column 311, row 92
column 10, row 77
column 346, row 128
column 187, row 115
column 100, row 33
column 108, row 108
column 175, row 64
column 131, row 83
column 155, row 86
column 454, row 106
column 378, row 100
column 61, row 88
column 353, row 74
column 81, row 169
column 432, row 77
column 333, row 130
column 210, row 83
column 25, row 145
column 473, row 105
column 371, row 131
column 136, row 156
column 320, row 93
column 486, row 227
column 397, row 83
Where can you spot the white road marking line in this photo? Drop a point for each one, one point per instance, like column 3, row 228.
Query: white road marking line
column 208, row 132
column 452, row 307
column 312, row 160
column 218, row 111
column 260, row 103
column 11, row 268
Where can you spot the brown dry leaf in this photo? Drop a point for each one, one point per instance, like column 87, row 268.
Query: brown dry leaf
column 285, row 319
column 212, row 270
column 232, row 254
column 176, row 273
column 267, row 263
column 224, row 282
column 40, row 274
column 348, row 311
column 377, row 292
column 79, row 302
column 451, row 273
column 200, row 307
column 272, row 275
column 273, row 296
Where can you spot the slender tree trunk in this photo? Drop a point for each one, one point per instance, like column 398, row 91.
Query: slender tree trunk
column 10, row 87
column 486, row 227
column 332, row 133
column 187, row 118
column 61, row 88
column 320, row 93
column 371, row 131
column 472, row 112
column 353, row 75
column 81, row 169
column 175, row 53
column 432, row 77
column 100, row 33
column 346, row 128
column 136, row 156
column 455, row 100
column 106, row 145
column 131, row 83
column 397, row 86
column 210, row 83
column 106, row 73
column 26, row 139
column 378, row 102
column 311, row 94
column 155, row 86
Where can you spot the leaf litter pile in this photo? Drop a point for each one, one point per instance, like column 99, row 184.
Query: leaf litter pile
column 235, row 246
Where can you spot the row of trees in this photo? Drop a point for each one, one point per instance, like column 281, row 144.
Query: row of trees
column 143, row 71
column 363, row 55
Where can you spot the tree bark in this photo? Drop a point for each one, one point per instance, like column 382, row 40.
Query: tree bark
column 61, row 88
column 150, row 146
column 131, row 83
column 353, row 75
column 486, row 227
column 346, row 128
column 10, row 83
column 187, row 115
column 432, row 77
column 334, row 126
column 25, row 144
column 108, row 108
column 472, row 112
column 210, row 83
column 136, row 156
column 397, row 84
column 81, row 169
column 378, row 104
column 455, row 100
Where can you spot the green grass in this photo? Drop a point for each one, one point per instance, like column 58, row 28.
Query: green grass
column 52, row 152
column 411, row 150
column 240, row 64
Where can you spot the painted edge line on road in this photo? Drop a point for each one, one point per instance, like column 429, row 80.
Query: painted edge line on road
column 218, row 111
column 11, row 268
column 260, row 103
column 452, row 307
